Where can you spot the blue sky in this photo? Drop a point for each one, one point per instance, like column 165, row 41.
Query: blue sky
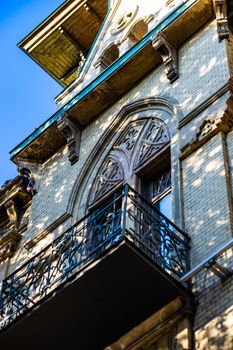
column 26, row 92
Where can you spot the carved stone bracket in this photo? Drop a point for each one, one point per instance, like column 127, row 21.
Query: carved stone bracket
column 28, row 180
column 12, row 213
column 15, row 204
column 72, row 134
column 8, row 243
column 108, row 56
column 169, row 55
column 102, row 62
column 10, row 236
column 220, row 7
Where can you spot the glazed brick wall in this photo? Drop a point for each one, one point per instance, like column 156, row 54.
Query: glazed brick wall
column 206, row 209
column 230, row 155
column 213, row 324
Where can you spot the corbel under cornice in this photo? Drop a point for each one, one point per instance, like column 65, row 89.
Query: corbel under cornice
column 220, row 7
column 169, row 55
column 72, row 134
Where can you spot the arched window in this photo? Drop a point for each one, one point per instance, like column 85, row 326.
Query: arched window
column 110, row 55
column 141, row 157
column 135, row 150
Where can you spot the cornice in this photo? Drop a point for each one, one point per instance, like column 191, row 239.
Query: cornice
column 97, row 95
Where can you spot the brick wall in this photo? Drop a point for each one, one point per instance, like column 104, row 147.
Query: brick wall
column 214, row 317
column 206, row 209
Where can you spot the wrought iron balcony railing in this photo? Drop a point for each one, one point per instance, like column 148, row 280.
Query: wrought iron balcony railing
column 127, row 216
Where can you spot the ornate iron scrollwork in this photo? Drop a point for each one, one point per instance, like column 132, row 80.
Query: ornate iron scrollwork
column 126, row 216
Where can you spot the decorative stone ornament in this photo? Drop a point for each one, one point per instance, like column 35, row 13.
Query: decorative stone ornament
column 154, row 140
column 139, row 143
column 128, row 140
column 169, row 55
column 13, row 213
column 168, row 2
column 10, row 236
column 72, row 134
column 220, row 7
column 208, row 128
column 124, row 21
column 8, row 243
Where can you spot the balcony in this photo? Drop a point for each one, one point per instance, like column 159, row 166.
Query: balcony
column 106, row 274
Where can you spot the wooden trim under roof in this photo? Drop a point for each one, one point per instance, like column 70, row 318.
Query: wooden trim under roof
column 62, row 41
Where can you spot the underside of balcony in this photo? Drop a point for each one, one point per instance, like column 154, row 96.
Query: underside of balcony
column 108, row 298
column 101, row 296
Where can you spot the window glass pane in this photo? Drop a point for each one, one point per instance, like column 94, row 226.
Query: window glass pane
column 165, row 205
column 161, row 183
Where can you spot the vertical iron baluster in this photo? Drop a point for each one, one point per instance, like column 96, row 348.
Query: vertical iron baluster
column 187, row 255
column 125, row 192
column 112, row 233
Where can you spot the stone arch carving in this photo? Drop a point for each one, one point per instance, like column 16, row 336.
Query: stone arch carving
column 124, row 20
column 115, row 139
column 138, row 144
column 155, row 138
column 110, row 175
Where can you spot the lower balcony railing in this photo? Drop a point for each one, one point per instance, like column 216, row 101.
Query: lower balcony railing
column 127, row 216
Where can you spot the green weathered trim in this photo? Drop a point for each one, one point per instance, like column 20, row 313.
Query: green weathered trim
column 104, row 75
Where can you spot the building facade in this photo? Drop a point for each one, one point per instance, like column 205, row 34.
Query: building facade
column 117, row 232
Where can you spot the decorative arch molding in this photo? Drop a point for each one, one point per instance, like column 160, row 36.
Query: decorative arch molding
column 148, row 107
column 155, row 138
column 142, row 140
column 124, row 20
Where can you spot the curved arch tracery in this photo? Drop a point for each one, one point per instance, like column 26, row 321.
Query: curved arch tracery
column 138, row 144
column 110, row 175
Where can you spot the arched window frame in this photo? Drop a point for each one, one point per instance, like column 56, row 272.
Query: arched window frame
column 149, row 134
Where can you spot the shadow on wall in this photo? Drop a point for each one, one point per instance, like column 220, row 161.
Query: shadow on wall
column 214, row 322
